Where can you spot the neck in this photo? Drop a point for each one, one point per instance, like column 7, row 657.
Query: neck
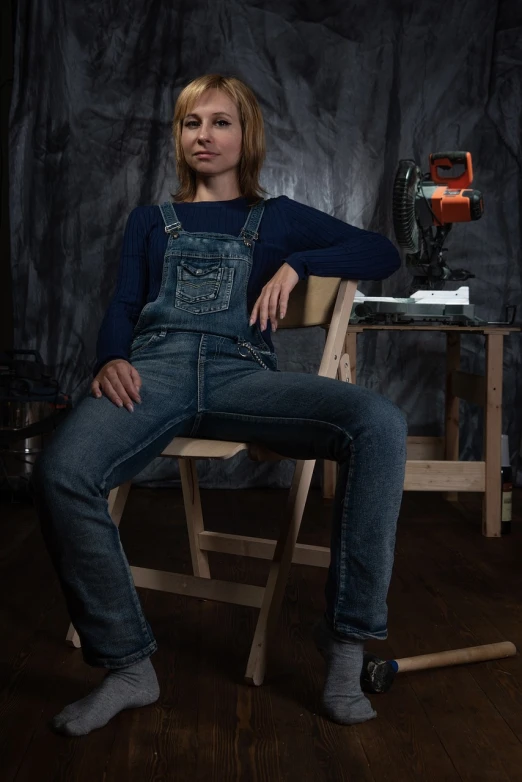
column 219, row 188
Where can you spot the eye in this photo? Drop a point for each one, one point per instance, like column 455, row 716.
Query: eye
column 192, row 123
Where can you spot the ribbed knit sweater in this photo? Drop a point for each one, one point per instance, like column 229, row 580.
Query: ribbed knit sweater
column 310, row 241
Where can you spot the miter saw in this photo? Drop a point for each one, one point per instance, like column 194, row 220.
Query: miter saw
column 425, row 206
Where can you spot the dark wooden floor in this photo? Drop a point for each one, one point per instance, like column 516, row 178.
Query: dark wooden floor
column 451, row 588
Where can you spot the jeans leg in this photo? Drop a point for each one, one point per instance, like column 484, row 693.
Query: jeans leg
column 307, row 417
column 366, row 508
column 98, row 447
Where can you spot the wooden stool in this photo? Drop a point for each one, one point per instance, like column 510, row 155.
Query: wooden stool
column 433, row 462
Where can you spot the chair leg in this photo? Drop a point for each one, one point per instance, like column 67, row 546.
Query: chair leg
column 195, row 525
column 329, row 479
column 72, row 637
column 279, row 570
column 344, row 373
column 116, row 504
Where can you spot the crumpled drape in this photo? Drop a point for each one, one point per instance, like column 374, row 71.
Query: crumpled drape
column 347, row 89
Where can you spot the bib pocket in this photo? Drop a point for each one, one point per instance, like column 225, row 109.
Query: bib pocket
column 203, row 288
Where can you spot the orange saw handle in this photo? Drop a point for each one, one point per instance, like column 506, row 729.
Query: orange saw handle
column 447, row 162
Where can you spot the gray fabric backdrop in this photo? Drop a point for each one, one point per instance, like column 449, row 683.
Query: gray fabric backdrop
column 347, row 89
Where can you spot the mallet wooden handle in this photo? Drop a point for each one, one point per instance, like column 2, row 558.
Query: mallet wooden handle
column 457, row 656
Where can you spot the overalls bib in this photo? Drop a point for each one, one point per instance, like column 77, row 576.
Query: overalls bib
column 204, row 287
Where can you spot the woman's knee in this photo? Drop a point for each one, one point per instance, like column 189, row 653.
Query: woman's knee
column 394, row 419
column 389, row 432
column 384, row 420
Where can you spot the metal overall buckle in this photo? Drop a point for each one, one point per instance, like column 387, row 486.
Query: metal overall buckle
column 173, row 230
column 247, row 238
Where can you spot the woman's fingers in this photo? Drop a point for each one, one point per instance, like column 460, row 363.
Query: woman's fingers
column 95, row 389
column 124, row 389
column 121, row 393
column 128, row 377
column 110, row 392
column 263, row 308
column 266, row 307
column 120, row 382
column 276, row 291
column 283, row 301
column 136, row 379
column 273, row 300
column 275, row 296
column 255, row 312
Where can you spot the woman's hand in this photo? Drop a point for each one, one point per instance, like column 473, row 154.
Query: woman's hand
column 120, row 382
column 275, row 292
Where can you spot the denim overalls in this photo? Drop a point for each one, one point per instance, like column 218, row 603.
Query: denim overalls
column 205, row 372
column 204, row 287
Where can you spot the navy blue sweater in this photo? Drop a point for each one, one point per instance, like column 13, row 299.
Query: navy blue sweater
column 310, row 241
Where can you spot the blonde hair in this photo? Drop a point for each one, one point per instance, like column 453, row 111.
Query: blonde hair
column 252, row 126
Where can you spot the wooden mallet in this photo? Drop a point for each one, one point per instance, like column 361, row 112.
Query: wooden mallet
column 378, row 675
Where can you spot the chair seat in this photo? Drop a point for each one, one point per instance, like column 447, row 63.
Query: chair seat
column 192, row 448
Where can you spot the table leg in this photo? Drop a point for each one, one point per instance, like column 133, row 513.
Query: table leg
column 491, row 510
column 330, row 468
column 451, row 432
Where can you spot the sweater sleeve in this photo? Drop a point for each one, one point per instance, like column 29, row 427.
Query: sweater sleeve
column 116, row 331
column 328, row 247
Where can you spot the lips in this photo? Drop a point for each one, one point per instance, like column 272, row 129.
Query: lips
column 206, row 154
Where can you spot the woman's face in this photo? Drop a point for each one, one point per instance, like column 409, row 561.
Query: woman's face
column 211, row 134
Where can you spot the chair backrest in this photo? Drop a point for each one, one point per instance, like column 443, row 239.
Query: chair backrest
column 323, row 301
column 311, row 303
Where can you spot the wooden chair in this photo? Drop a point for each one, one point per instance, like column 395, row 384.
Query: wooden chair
column 320, row 301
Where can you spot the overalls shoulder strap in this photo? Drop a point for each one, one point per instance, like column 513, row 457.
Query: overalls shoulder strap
column 170, row 218
column 250, row 228
column 248, row 232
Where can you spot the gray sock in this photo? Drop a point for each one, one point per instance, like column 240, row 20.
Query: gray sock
column 343, row 700
column 124, row 688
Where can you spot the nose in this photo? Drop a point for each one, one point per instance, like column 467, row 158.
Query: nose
column 204, row 132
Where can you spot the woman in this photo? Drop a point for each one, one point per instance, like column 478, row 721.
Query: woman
column 185, row 350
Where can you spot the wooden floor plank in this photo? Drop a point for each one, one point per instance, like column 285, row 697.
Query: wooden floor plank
column 237, row 735
column 451, row 588
column 51, row 756
column 468, row 723
column 485, row 611
column 311, row 745
column 21, row 554
column 160, row 742
column 401, row 737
